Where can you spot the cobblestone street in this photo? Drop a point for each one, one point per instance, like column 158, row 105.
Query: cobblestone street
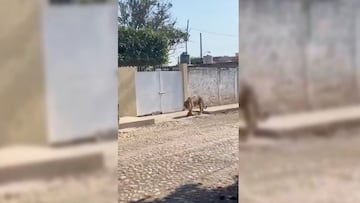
column 195, row 160
column 188, row 160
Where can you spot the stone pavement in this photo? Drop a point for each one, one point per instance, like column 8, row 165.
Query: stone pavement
column 207, row 143
column 132, row 122
column 291, row 124
column 180, row 160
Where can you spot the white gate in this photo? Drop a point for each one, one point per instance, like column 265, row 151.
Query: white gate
column 159, row 92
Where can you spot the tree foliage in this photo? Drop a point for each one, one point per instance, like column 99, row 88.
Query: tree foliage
column 151, row 14
column 141, row 47
column 196, row 60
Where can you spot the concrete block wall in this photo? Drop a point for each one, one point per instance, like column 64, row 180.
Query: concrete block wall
column 300, row 54
column 217, row 85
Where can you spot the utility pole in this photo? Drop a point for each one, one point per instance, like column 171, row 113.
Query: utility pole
column 201, row 57
column 187, row 36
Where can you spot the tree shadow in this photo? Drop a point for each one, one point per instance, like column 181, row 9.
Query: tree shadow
column 195, row 193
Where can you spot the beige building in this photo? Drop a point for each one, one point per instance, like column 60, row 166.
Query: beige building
column 58, row 76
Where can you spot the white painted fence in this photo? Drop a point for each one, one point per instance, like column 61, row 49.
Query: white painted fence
column 159, row 92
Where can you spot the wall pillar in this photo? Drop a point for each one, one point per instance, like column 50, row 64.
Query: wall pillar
column 185, row 77
column 127, row 91
column 22, row 88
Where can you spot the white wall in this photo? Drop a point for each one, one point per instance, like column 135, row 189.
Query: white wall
column 216, row 85
column 159, row 91
column 302, row 55
column 80, row 49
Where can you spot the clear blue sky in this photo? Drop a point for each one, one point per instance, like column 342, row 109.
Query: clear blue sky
column 217, row 20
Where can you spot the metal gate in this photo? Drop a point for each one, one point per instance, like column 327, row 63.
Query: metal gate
column 159, row 92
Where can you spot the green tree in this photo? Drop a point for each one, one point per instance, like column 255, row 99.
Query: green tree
column 141, row 47
column 152, row 14
column 195, row 60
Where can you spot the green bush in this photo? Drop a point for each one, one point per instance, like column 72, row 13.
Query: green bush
column 141, row 47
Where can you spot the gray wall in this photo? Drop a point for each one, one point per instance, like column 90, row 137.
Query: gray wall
column 301, row 54
column 217, row 85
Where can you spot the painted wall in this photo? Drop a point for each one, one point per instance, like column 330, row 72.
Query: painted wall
column 80, row 48
column 176, row 91
column 127, row 91
column 158, row 92
column 217, row 85
column 139, row 91
column 22, row 103
column 301, row 54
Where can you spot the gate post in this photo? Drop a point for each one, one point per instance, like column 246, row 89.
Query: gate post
column 127, row 91
column 185, row 80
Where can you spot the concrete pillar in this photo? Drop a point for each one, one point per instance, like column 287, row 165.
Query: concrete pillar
column 22, row 114
column 127, row 91
column 56, row 88
column 185, row 76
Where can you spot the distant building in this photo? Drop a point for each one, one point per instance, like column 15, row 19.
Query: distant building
column 225, row 59
column 185, row 58
column 208, row 59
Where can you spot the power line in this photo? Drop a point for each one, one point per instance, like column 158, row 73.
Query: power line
column 215, row 33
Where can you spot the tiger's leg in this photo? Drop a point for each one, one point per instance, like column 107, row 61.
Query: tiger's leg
column 190, row 110
column 201, row 106
column 250, row 119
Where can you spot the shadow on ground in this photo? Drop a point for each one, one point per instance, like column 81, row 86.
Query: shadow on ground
column 196, row 113
column 195, row 193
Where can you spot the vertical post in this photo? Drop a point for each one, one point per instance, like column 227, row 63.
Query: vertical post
column 161, row 90
column 236, row 84
column 127, row 91
column 218, row 85
column 201, row 57
column 187, row 35
column 185, row 80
